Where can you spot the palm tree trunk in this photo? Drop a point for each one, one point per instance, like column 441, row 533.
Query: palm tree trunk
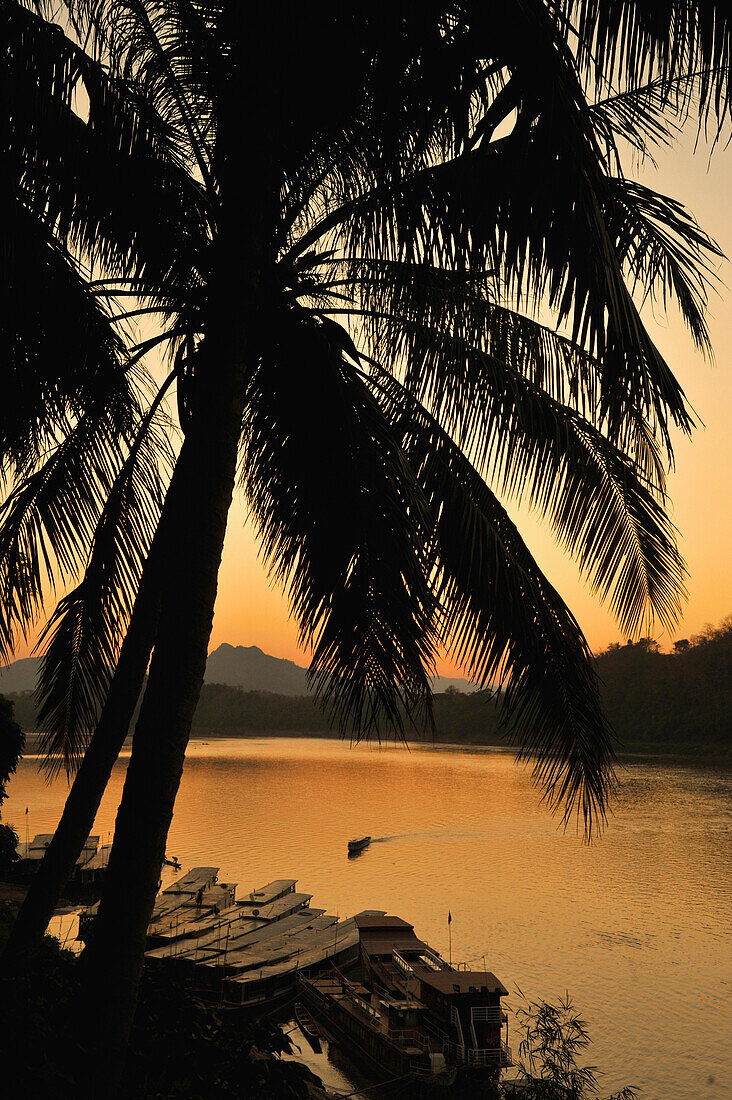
column 111, row 966
column 104, row 747
column 88, row 787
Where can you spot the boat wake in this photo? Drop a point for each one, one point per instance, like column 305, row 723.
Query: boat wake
column 431, row 834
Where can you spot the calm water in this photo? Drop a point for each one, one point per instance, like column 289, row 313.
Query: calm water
column 636, row 927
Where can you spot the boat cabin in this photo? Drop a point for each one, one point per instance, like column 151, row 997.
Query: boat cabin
column 418, row 989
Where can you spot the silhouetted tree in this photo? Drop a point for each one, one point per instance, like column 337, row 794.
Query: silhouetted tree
column 672, row 702
column 12, row 741
column 335, row 212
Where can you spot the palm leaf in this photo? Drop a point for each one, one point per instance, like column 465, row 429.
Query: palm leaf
column 504, row 620
column 47, row 522
column 602, row 508
column 51, row 372
column 342, row 525
column 664, row 251
column 108, row 179
column 623, row 40
column 81, row 640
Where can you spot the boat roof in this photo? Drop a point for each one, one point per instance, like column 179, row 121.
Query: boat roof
column 270, row 892
column 37, row 847
column 192, row 881
column 212, row 943
column 42, row 840
column 374, row 918
column 284, row 904
column 330, row 986
column 174, row 921
column 380, row 935
column 325, row 930
column 304, row 952
column 463, row 981
column 99, row 860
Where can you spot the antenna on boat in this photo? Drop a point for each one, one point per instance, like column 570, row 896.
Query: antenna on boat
column 449, row 933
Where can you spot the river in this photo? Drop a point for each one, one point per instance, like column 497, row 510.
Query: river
column 635, row 926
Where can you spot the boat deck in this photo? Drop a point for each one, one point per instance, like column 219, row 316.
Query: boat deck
column 220, row 941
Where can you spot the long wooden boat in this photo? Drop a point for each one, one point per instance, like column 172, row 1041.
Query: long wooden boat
column 246, row 952
column 308, row 1026
column 356, row 846
column 412, row 1013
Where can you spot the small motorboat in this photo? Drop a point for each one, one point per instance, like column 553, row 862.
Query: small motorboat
column 356, row 846
column 308, row 1026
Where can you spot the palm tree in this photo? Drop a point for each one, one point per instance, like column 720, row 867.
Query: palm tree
column 84, row 450
column 345, row 224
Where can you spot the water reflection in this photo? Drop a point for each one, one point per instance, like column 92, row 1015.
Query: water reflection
column 636, row 926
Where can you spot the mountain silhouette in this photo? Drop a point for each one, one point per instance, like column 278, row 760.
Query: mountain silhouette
column 245, row 667
column 249, row 668
column 19, row 676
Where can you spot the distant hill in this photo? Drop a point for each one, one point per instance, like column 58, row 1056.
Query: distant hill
column 227, row 711
column 19, row 676
column 245, row 667
column 678, row 702
column 248, row 668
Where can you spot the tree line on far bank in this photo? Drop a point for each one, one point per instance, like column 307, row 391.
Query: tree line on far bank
column 679, row 701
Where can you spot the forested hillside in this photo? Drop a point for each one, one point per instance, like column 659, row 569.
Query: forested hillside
column 656, row 702
column 678, row 702
column 224, row 709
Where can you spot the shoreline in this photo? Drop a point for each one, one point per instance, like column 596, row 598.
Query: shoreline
column 702, row 755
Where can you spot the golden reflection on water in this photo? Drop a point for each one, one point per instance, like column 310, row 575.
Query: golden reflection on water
column 636, row 926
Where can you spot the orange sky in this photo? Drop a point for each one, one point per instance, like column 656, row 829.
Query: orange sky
column 250, row 612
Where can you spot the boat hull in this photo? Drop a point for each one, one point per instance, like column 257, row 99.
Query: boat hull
column 355, row 847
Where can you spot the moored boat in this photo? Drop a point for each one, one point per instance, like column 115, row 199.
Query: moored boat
column 411, row 1012
column 308, row 1026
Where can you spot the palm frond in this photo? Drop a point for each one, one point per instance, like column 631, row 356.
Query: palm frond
column 552, row 246
column 621, row 41
column 342, row 524
column 166, row 51
column 107, row 178
column 664, row 250
column 52, row 370
column 81, row 641
column 645, row 116
column 603, row 509
column 387, row 298
column 47, row 522
column 504, row 620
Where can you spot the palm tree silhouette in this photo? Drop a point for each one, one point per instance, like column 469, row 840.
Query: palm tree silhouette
column 343, row 225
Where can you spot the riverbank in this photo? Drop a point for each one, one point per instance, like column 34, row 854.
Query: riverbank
column 636, row 751
column 670, row 705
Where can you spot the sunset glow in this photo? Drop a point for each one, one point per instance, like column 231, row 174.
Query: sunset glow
column 250, row 611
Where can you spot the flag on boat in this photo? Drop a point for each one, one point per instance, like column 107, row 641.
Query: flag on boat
column 449, row 917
